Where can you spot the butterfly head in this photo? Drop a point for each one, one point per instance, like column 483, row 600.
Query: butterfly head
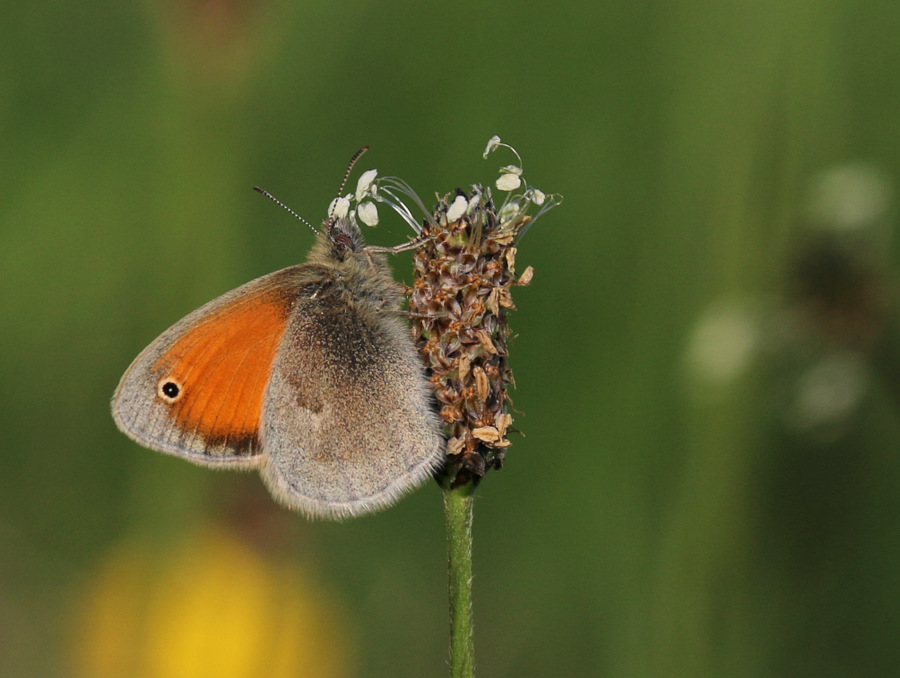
column 341, row 231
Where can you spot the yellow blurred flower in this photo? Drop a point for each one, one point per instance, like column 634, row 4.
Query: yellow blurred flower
column 213, row 607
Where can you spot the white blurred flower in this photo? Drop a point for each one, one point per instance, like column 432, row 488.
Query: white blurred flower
column 722, row 343
column 849, row 196
column 830, row 390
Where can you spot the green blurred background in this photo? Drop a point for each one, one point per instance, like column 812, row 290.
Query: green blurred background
column 707, row 359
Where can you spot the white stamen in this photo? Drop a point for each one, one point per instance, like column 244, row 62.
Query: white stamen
column 536, row 196
column 475, row 200
column 339, row 207
column 492, row 145
column 457, row 209
column 508, row 182
column 368, row 213
column 366, row 186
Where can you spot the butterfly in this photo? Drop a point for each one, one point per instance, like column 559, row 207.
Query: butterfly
column 308, row 375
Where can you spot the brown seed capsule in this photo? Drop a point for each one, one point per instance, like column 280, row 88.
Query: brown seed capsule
column 482, row 387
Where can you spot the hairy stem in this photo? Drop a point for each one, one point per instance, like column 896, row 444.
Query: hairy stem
column 458, row 514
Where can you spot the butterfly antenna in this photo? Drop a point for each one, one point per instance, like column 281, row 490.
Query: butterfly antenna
column 353, row 160
column 281, row 204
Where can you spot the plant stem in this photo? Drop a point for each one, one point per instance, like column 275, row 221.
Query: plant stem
column 458, row 515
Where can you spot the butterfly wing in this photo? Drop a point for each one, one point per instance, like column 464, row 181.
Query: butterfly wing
column 198, row 390
column 348, row 424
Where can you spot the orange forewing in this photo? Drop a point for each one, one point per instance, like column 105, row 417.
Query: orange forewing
column 223, row 364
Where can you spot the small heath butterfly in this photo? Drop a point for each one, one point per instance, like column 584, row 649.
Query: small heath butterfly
column 307, row 374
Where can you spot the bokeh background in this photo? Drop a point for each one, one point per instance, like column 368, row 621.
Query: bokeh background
column 708, row 359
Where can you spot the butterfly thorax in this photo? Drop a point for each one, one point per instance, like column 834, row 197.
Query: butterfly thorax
column 342, row 266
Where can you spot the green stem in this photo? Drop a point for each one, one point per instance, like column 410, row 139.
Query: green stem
column 458, row 515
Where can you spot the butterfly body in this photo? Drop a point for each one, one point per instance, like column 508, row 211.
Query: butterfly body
column 307, row 374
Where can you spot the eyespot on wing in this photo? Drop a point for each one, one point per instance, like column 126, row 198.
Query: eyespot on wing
column 198, row 390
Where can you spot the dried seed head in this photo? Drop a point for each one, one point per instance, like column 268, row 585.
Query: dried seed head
column 459, row 305
column 460, row 326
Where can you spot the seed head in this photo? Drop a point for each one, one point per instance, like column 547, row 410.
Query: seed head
column 459, row 304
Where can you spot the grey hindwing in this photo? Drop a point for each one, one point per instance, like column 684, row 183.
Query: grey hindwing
column 349, row 423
